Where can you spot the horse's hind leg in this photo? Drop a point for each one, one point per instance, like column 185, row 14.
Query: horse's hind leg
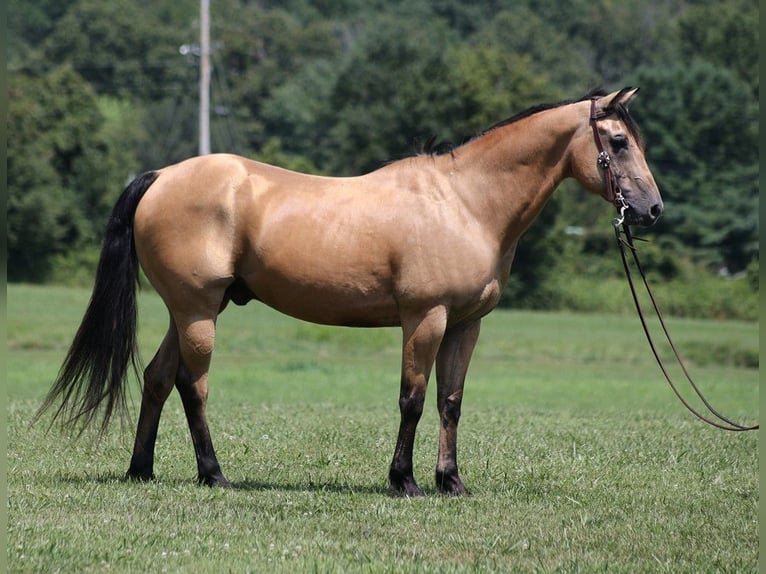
column 159, row 378
column 196, row 338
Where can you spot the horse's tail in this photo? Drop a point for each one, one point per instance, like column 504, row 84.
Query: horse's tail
column 95, row 369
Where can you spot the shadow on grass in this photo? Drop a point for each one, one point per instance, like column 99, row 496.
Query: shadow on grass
column 336, row 488
column 243, row 485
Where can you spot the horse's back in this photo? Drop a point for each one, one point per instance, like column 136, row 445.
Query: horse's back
column 210, row 220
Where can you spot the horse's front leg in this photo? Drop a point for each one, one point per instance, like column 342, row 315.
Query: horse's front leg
column 451, row 367
column 422, row 335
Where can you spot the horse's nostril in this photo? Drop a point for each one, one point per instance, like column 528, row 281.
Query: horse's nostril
column 656, row 210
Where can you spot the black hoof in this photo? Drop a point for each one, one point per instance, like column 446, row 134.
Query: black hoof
column 409, row 490
column 450, row 484
column 218, row 481
column 400, row 485
column 139, row 476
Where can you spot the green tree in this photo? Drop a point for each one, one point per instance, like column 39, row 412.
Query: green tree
column 64, row 171
column 119, row 52
column 545, row 50
column 493, row 83
column 614, row 37
column 29, row 23
column 393, row 91
column 725, row 34
column 701, row 123
column 261, row 51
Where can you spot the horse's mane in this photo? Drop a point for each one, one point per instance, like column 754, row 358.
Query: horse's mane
column 596, row 92
column 432, row 148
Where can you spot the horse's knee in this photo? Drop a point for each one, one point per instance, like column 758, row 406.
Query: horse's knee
column 411, row 403
column 450, row 411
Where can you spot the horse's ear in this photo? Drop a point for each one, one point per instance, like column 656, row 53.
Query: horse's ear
column 610, row 102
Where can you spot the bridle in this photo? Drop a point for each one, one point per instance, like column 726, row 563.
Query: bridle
column 614, row 195
column 604, row 161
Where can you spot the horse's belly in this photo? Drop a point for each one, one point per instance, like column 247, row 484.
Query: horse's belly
column 352, row 305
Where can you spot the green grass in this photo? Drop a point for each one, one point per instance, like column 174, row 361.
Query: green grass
column 578, row 456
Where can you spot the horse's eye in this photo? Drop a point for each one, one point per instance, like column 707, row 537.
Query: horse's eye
column 619, row 142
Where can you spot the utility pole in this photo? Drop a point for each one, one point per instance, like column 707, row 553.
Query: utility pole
column 204, row 78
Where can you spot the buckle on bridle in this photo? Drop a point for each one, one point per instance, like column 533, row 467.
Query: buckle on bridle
column 604, row 160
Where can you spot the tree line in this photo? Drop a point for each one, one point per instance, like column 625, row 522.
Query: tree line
column 101, row 90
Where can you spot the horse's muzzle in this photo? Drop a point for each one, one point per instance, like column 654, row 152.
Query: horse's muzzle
column 644, row 218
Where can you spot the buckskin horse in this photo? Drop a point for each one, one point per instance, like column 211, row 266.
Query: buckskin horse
column 424, row 243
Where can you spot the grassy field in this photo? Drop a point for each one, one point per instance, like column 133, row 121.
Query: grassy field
column 578, row 457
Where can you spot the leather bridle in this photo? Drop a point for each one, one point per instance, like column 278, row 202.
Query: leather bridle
column 604, row 161
column 614, row 195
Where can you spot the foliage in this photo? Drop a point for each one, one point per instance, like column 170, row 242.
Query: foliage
column 725, row 35
column 704, row 146
column 138, row 62
column 343, row 87
column 60, row 174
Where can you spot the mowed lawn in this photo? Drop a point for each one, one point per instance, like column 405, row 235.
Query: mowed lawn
column 577, row 454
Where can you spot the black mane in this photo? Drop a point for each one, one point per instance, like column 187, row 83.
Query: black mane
column 597, row 92
column 431, row 148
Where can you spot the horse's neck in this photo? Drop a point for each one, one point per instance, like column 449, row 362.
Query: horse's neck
column 507, row 175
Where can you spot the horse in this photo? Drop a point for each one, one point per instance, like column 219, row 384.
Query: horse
column 424, row 243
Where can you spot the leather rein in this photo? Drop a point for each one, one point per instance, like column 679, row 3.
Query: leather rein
column 614, row 195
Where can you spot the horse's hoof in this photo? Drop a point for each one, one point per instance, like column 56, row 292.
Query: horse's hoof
column 450, row 484
column 215, row 481
column 408, row 488
column 137, row 476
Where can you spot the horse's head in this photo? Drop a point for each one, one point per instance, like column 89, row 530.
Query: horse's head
column 609, row 159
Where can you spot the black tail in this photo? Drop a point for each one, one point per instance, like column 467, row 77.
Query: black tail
column 95, row 368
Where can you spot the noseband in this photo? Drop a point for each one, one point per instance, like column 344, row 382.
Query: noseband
column 604, row 161
column 614, row 195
